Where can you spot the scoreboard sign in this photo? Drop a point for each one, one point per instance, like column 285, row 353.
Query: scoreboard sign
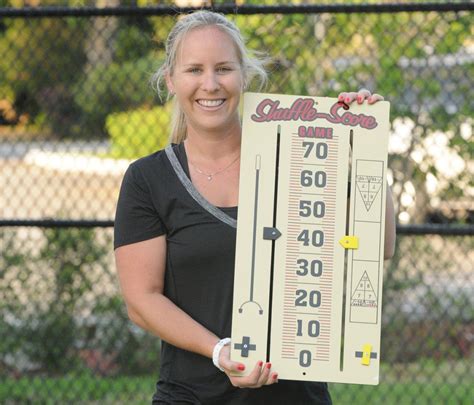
column 310, row 238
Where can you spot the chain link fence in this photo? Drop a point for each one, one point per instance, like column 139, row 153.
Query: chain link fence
column 76, row 107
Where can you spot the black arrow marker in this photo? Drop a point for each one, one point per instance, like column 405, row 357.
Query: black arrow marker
column 271, row 233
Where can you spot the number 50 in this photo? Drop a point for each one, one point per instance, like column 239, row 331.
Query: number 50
column 317, row 208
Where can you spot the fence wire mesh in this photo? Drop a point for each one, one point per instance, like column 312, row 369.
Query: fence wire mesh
column 76, row 106
column 76, row 102
column 65, row 337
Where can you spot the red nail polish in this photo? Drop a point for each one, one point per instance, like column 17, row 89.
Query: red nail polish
column 344, row 105
column 275, row 376
column 260, row 363
column 269, row 365
column 341, row 98
column 359, row 99
column 241, row 367
column 348, row 100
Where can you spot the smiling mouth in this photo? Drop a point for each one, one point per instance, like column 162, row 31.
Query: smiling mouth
column 210, row 103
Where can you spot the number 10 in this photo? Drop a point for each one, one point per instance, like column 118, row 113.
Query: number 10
column 313, row 328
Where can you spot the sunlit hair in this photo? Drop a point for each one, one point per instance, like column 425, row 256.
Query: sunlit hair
column 252, row 65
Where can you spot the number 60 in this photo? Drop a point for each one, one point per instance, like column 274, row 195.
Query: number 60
column 309, row 178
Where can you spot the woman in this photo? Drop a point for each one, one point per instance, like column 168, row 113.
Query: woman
column 175, row 225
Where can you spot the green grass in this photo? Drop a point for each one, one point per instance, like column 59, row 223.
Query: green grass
column 77, row 389
column 403, row 394
column 420, row 383
column 425, row 382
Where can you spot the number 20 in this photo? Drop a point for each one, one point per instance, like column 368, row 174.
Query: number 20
column 303, row 298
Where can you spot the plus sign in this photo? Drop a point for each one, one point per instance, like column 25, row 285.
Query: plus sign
column 366, row 354
column 245, row 346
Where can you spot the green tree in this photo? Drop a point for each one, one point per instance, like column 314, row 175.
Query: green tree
column 418, row 61
column 40, row 58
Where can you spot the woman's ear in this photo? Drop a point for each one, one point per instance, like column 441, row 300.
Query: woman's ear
column 244, row 83
column 169, row 83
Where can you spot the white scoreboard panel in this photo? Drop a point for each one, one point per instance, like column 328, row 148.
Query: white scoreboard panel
column 309, row 262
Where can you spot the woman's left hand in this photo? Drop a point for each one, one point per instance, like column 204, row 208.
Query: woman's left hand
column 360, row 96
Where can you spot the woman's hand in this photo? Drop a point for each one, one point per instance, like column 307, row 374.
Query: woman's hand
column 360, row 96
column 260, row 375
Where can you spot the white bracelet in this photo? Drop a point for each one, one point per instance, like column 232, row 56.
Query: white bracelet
column 217, row 350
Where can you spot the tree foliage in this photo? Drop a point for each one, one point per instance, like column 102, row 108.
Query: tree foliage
column 69, row 74
column 418, row 61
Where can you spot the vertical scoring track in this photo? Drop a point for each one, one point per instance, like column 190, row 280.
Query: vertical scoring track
column 318, row 318
column 306, row 335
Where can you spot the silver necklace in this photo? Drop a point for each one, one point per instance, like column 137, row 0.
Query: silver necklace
column 211, row 175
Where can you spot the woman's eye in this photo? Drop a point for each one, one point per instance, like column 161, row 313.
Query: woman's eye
column 224, row 69
column 194, row 70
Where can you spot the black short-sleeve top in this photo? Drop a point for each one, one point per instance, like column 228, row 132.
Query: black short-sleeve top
column 157, row 198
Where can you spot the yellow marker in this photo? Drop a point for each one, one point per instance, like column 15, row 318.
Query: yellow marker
column 349, row 242
column 366, row 352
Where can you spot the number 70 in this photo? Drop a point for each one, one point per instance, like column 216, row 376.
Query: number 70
column 321, row 149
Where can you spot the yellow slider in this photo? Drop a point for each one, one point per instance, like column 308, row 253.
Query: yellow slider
column 349, row 242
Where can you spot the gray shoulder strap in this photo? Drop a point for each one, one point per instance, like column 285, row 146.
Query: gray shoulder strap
column 188, row 185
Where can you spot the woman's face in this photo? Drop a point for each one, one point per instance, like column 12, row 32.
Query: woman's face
column 207, row 80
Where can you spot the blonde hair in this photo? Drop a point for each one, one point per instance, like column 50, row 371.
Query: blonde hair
column 252, row 65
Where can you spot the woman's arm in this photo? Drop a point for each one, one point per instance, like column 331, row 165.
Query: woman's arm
column 390, row 226
column 141, row 269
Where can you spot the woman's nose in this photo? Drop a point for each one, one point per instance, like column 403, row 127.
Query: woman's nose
column 210, row 82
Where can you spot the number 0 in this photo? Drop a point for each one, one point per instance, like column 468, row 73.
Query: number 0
column 305, row 358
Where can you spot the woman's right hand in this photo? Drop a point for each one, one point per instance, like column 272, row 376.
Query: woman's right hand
column 260, row 375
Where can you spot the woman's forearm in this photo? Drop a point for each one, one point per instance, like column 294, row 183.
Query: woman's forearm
column 390, row 226
column 157, row 314
column 141, row 269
